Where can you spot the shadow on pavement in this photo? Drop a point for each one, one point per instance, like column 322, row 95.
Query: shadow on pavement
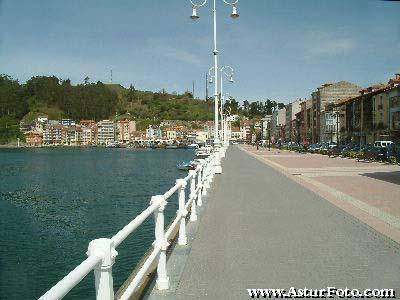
column 392, row 177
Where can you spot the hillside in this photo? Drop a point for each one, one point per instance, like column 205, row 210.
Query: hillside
column 58, row 98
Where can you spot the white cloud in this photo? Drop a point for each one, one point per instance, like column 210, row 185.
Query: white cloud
column 162, row 47
column 329, row 44
column 338, row 46
column 181, row 55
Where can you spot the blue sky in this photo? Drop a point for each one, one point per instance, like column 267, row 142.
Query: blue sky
column 280, row 49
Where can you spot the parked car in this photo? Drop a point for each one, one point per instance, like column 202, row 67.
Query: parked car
column 382, row 144
column 393, row 153
column 382, row 154
column 336, row 151
column 369, row 152
column 314, row 148
column 346, row 150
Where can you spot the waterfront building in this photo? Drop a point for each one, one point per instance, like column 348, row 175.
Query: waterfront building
column 54, row 122
column 105, row 132
column 34, row 139
column 394, row 108
column 72, row 135
column 304, row 122
column 278, row 121
column 326, row 94
column 52, row 134
column 191, row 136
column 87, row 123
column 125, row 130
column 24, row 127
column 202, row 136
column 290, row 120
column 367, row 117
column 246, row 130
column 37, row 126
column 171, row 134
column 42, row 119
column 76, row 136
column 301, row 124
column 266, row 127
column 89, row 134
column 236, row 134
column 153, row 132
column 380, row 115
column 68, row 122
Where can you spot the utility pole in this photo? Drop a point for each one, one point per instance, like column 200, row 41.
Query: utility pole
column 193, row 89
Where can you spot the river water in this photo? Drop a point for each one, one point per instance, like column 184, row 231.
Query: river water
column 54, row 201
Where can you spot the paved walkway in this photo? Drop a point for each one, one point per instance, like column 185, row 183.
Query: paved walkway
column 369, row 191
column 260, row 229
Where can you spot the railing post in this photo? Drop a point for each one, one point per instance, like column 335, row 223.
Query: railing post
column 210, row 171
column 162, row 277
column 193, row 213
column 103, row 272
column 204, row 178
column 200, row 186
column 212, row 162
column 182, row 240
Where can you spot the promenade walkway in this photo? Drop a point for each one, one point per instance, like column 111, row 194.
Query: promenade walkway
column 260, row 229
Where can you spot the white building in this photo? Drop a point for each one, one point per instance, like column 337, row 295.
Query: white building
column 171, row 134
column 266, row 127
column 105, row 132
column 202, row 136
column 42, row 119
column 291, row 110
column 52, row 134
column 278, row 120
column 89, row 135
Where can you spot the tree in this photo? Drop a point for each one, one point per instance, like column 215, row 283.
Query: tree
column 232, row 106
column 131, row 94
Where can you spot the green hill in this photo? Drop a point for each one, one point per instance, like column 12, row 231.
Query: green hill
column 58, row 98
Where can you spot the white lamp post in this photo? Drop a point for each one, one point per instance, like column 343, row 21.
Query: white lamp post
column 228, row 126
column 226, row 129
column 228, row 72
column 194, row 16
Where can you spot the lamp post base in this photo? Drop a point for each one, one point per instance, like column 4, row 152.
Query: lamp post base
column 217, row 160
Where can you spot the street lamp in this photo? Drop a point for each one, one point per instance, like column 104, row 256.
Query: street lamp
column 228, row 72
column 225, row 121
column 194, row 16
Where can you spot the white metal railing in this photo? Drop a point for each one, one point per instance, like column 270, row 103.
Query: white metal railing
column 102, row 252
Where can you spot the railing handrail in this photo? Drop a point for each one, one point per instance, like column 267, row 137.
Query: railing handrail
column 102, row 253
column 73, row 278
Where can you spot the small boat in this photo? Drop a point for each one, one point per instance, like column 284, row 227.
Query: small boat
column 203, row 152
column 193, row 146
column 171, row 147
column 186, row 166
column 112, row 145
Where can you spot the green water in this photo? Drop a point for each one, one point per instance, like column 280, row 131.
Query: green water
column 54, row 201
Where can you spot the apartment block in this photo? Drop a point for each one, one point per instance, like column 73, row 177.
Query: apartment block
column 105, row 132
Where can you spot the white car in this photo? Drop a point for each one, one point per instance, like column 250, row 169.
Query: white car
column 382, row 144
